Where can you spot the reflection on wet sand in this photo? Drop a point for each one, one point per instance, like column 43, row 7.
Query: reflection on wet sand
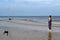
column 49, row 35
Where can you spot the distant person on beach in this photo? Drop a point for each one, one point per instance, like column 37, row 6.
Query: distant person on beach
column 49, row 22
column 9, row 18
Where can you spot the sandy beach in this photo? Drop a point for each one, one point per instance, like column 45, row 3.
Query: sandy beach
column 25, row 30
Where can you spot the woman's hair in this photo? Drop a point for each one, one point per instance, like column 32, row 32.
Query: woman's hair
column 49, row 15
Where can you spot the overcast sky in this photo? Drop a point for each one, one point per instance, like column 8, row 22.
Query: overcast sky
column 29, row 7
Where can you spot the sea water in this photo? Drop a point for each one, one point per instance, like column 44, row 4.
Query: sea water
column 56, row 19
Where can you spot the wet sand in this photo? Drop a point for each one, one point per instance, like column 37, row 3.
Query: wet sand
column 27, row 32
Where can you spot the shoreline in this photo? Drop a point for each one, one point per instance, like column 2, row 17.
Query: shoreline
column 54, row 24
column 27, row 23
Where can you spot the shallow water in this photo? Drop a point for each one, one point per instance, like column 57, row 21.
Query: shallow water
column 31, row 27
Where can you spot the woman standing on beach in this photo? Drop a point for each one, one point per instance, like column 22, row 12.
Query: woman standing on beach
column 49, row 22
